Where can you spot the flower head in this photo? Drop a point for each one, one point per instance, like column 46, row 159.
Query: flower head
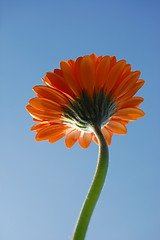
column 83, row 93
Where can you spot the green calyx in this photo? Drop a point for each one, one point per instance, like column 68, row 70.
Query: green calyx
column 86, row 111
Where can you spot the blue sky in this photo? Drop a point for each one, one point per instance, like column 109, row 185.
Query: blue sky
column 42, row 185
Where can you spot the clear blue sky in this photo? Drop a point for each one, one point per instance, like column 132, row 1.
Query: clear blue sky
column 42, row 185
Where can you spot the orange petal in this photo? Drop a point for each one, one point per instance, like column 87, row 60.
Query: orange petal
column 41, row 115
column 56, row 137
column 114, row 75
column 98, row 60
column 107, row 135
column 116, row 127
column 102, row 71
column 77, row 72
column 87, row 71
column 127, row 84
column 50, row 93
column 113, row 61
column 126, row 71
column 94, row 138
column 58, row 71
column 71, row 62
column 55, row 80
column 131, row 92
column 85, row 139
column 50, row 132
column 129, row 114
column 132, row 102
column 71, row 138
column 45, row 104
column 94, row 57
column 124, row 122
column 40, row 125
column 69, row 77
column 44, row 124
column 36, row 120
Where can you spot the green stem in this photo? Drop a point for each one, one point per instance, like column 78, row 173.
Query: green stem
column 95, row 189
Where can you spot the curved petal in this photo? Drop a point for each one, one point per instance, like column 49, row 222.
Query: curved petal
column 50, row 93
column 40, row 125
column 114, row 75
column 56, row 137
column 124, row 122
column 125, row 73
column 71, row 62
column 94, row 138
column 127, row 83
column 102, row 72
column 113, row 61
column 85, row 139
column 132, row 102
column 69, row 77
column 94, row 57
column 77, row 73
column 58, row 71
column 42, row 115
column 87, row 71
column 107, row 135
column 50, row 132
column 129, row 114
column 98, row 60
column 54, row 80
column 116, row 127
column 132, row 91
column 71, row 138
column 45, row 104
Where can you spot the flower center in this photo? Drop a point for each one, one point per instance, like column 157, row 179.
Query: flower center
column 86, row 111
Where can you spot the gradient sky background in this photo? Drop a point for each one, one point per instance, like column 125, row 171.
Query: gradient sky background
column 42, row 185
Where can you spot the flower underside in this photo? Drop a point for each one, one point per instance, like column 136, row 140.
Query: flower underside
column 87, row 92
column 85, row 111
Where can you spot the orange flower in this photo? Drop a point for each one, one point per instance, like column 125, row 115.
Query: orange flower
column 89, row 91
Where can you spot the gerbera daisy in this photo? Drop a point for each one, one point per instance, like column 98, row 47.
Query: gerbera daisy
column 83, row 93
column 88, row 99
